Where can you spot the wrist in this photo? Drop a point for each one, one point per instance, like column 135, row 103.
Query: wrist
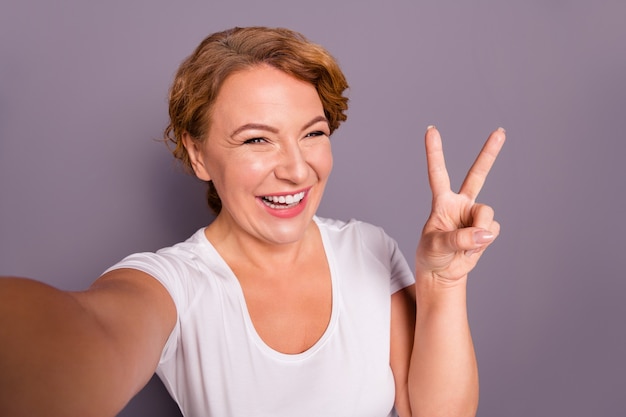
column 433, row 292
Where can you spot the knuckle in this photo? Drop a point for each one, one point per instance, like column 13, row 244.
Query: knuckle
column 486, row 210
column 460, row 239
column 495, row 228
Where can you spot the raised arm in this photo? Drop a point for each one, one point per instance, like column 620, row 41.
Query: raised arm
column 80, row 353
column 433, row 341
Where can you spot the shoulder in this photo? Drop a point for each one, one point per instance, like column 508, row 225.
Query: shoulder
column 350, row 226
column 364, row 233
column 172, row 259
column 183, row 269
column 360, row 243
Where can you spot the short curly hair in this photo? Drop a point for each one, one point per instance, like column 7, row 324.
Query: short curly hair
column 201, row 75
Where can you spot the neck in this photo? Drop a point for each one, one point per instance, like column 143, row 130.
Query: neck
column 238, row 247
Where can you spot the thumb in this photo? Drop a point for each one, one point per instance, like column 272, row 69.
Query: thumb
column 466, row 239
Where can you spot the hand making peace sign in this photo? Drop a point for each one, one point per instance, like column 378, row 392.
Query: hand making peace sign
column 458, row 229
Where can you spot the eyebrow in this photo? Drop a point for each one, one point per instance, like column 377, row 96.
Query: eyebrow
column 260, row 126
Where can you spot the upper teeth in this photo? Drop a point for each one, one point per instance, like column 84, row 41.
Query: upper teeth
column 286, row 199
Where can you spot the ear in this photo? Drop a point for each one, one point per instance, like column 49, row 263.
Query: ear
column 193, row 148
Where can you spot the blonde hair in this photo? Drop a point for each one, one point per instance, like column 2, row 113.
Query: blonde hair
column 200, row 77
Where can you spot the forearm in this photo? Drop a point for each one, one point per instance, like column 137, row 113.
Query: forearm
column 443, row 376
column 53, row 359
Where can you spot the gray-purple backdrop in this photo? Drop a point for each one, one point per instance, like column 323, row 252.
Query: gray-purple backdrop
column 84, row 181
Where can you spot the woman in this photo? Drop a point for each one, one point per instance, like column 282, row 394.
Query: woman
column 269, row 310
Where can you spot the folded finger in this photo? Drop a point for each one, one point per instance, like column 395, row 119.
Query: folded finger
column 482, row 216
column 483, row 237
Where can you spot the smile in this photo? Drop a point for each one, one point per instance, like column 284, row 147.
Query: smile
column 283, row 201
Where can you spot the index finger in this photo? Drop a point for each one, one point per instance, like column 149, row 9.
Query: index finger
column 477, row 174
column 437, row 173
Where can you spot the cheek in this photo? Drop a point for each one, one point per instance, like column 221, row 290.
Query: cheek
column 244, row 172
column 253, row 168
column 322, row 161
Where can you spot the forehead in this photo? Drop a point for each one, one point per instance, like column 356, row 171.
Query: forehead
column 262, row 92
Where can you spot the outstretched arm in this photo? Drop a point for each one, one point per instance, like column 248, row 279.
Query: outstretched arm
column 80, row 353
column 443, row 374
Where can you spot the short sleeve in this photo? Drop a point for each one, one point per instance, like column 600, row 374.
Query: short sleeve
column 385, row 250
column 170, row 272
column 401, row 274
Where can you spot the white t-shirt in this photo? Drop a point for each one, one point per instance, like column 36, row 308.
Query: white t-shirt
column 215, row 364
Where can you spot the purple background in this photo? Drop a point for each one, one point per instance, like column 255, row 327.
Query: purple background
column 84, row 181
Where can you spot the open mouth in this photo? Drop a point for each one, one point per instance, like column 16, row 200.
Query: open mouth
column 283, row 201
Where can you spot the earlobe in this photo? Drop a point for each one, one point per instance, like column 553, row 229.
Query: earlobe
column 195, row 157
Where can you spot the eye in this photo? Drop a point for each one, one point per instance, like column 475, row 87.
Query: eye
column 316, row 133
column 254, row 140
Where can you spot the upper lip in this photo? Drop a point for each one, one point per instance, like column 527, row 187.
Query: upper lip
column 305, row 190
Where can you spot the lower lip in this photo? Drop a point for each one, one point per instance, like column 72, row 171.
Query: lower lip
column 286, row 213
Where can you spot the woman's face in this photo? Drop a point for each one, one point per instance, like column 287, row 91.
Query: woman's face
column 268, row 154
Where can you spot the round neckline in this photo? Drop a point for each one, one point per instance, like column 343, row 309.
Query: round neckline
column 251, row 330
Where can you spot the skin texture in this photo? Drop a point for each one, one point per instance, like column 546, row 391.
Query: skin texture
column 269, row 137
column 88, row 353
column 443, row 375
column 80, row 353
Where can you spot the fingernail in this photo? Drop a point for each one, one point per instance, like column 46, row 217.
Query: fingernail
column 483, row 236
column 501, row 129
column 430, row 127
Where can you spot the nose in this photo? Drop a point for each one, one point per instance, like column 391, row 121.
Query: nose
column 292, row 165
